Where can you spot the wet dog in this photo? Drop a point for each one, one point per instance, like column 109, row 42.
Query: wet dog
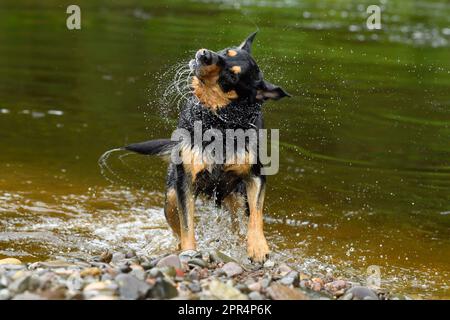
column 228, row 91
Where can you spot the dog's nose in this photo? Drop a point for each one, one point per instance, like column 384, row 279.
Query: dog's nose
column 204, row 56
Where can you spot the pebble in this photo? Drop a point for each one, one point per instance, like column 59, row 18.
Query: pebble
column 12, row 261
column 138, row 272
column 188, row 275
column 254, row 295
column 170, row 261
column 187, row 255
column 283, row 270
column 218, row 257
column 225, row 291
column 4, row 294
column 27, row 282
column 292, row 278
column 359, row 293
column 256, row 286
column 269, row 264
column 131, row 288
column 163, row 289
column 117, row 257
column 279, row 292
column 194, row 287
column 232, row 269
column 28, row 296
column 197, row 262
column 265, row 282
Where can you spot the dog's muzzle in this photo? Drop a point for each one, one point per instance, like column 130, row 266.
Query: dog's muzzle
column 203, row 58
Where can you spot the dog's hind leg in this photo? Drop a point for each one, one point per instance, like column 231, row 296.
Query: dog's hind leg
column 257, row 247
column 186, row 208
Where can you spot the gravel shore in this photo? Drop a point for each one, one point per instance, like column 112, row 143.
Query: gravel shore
column 186, row 275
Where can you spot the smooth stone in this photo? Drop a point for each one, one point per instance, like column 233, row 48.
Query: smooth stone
column 155, row 273
column 362, row 293
column 169, row 271
column 74, row 282
column 283, row 270
column 5, row 294
column 12, row 261
column 347, row 296
column 292, row 278
column 225, row 291
column 4, row 281
column 117, row 257
column 256, row 286
column 26, row 283
column 101, row 286
column 52, row 264
column 193, row 275
column 131, row 288
column 232, row 269
column 279, row 292
column 194, row 287
column 217, row 256
column 266, row 281
column 163, row 289
column 269, row 264
column 187, row 255
column 28, row 296
column 138, row 271
column 197, row 262
column 254, row 295
column 170, row 261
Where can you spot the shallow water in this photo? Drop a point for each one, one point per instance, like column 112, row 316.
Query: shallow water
column 364, row 176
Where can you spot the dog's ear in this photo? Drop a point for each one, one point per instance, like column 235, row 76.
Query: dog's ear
column 268, row 90
column 247, row 44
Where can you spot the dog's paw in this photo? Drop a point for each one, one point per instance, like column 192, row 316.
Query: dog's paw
column 257, row 249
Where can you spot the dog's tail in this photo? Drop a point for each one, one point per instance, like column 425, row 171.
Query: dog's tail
column 160, row 147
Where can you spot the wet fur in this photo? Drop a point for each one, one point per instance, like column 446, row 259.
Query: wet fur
column 227, row 95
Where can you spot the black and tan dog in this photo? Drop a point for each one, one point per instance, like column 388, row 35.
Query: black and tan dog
column 228, row 91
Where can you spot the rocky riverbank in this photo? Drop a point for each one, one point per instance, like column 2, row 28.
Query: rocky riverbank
column 188, row 275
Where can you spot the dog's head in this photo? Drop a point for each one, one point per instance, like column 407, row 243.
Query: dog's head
column 230, row 75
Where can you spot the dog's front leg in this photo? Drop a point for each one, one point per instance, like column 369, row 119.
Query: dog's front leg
column 257, row 247
column 186, row 206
